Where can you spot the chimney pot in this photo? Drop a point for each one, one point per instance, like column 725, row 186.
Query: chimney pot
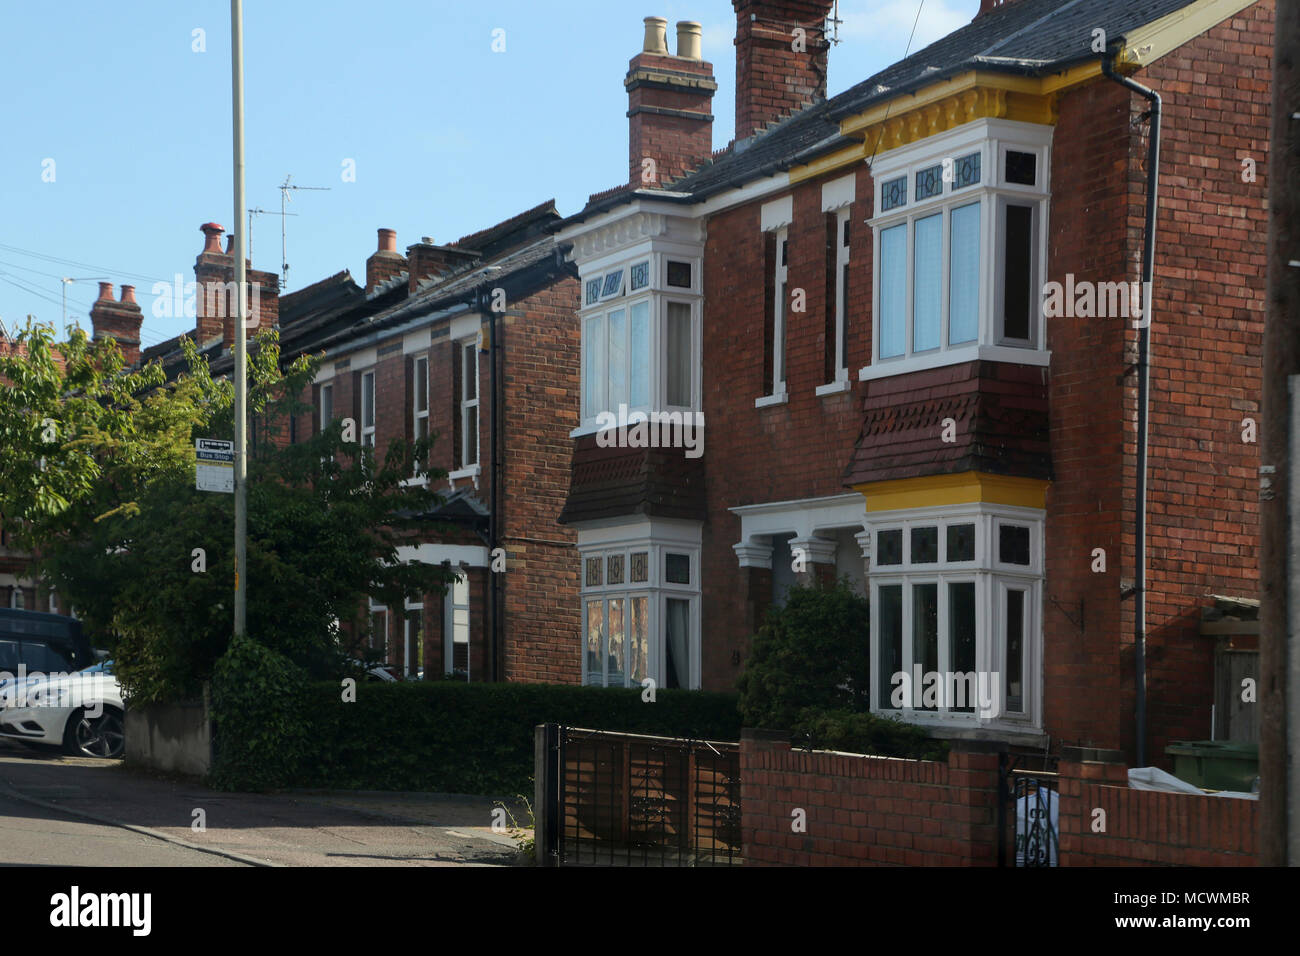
column 128, row 295
column 106, row 292
column 656, row 36
column 387, row 240
column 689, row 46
column 230, row 244
column 212, row 237
column 428, row 240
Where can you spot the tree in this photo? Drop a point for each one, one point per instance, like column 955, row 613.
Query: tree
column 124, row 536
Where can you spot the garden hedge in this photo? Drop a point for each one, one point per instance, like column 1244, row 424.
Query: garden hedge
column 445, row 736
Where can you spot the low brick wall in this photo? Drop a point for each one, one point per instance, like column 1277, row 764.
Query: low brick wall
column 866, row 811
column 1145, row 827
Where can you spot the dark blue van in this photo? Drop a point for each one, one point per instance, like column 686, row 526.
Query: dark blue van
column 48, row 643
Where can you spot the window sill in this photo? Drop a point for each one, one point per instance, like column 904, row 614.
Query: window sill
column 767, row 401
column 834, row 388
column 986, row 353
column 415, row 482
column 460, row 474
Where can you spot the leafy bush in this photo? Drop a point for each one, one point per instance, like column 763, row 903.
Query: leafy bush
column 259, row 708
column 808, row 673
column 812, row 654
column 447, row 736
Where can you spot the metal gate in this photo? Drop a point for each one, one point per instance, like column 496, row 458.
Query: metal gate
column 611, row 799
column 1028, row 810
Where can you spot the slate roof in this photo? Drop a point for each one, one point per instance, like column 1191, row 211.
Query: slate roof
column 1028, row 37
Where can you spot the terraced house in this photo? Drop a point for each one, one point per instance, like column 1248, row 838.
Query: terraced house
column 852, row 294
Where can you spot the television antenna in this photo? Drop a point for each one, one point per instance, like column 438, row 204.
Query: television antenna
column 285, row 188
column 259, row 212
column 834, row 21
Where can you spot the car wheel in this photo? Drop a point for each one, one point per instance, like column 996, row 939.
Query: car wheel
column 102, row 736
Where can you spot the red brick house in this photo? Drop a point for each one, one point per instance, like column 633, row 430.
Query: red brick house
column 410, row 354
column 906, row 314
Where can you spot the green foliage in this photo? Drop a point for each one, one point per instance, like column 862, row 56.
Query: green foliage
column 524, row 834
column 808, row 674
column 864, row 733
column 262, row 726
column 144, row 557
column 449, row 736
column 812, row 653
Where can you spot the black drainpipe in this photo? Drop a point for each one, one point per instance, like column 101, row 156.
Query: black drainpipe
column 494, row 495
column 1144, row 376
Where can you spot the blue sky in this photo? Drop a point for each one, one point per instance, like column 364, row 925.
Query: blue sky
column 446, row 135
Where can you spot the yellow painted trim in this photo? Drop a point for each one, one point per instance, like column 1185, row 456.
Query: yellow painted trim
column 1149, row 43
column 978, row 94
column 848, row 156
column 935, row 491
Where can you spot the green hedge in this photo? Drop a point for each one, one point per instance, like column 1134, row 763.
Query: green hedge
column 446, row 736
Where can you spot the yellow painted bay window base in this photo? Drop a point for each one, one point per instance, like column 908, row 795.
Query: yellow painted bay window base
column 936, row 491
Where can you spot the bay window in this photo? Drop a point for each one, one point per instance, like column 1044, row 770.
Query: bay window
column 640, row 336
column 640, row 613
column 959, row 248
column 955, row 606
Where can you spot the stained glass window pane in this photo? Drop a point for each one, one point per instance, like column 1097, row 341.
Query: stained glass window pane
column 925, row 545
column 593, row 291
column 929, row 182
column 893, row 194
column 961, row 542
column 640, row 566
column 593, row 573
column 613, row 284
column 889, row 547
column 640, row 275
column 615, row 575
column 967, row 172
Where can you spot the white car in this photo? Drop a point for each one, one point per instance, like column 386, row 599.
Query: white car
column 82, row 712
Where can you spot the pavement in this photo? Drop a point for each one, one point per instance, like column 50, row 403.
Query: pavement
column 58, row 794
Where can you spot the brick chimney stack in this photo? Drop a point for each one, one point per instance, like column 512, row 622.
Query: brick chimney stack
column 670, row 99
column 120, row 320
column 386, row 262
column 428, row 260
column 781, row 49
column 214, row 277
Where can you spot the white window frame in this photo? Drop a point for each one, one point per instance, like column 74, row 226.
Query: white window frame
column 992, row 139
column 841, row 380
column 368, row 396
column 780, row 279
column 467, row 354
column 657, row 543
column 656, row 295
column 326, row 404
column 992, row 579
column 419, row 387
column 17, row 600
column 450, row 607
